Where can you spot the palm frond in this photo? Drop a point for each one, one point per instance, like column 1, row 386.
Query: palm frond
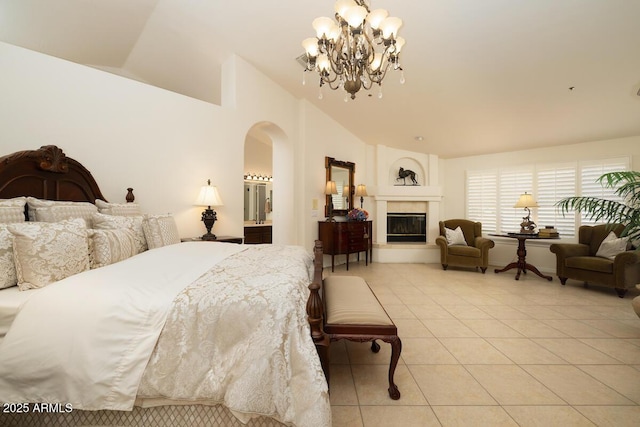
column 627, row 187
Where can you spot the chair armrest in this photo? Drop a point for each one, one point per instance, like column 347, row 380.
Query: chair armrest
column 566, row 250
column 627, row 258
column 442, row 242
column 482, row 242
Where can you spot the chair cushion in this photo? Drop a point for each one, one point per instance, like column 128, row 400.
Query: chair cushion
column 350, row 301
column 591, row 263
column 469, row 251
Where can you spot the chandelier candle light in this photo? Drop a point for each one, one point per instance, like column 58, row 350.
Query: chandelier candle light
column 356, row 49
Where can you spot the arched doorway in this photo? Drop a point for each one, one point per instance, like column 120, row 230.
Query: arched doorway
column 269, row 152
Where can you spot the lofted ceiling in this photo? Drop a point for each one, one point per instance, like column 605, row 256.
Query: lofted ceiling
column 481, row 76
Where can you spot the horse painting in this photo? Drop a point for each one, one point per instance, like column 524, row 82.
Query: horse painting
column 404, row 173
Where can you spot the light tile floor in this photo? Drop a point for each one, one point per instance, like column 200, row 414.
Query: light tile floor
column 487, row 350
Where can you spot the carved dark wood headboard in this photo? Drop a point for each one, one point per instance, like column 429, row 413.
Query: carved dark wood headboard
column 46, row 173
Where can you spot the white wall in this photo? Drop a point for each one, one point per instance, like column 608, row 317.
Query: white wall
column 166, row 145
column 538, row 254
column 324, row 138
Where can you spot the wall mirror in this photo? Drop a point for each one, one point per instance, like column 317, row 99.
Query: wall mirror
column 342, row 174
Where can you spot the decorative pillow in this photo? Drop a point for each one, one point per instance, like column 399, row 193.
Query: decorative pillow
column 455, row 237
column 47, row 252
column 160, row 230
column 119, row 209
column 611, row 246
column 11, row 214
column 131, row 223
column 16, row 202
column 7, row 266
column 34, row 204
column 58, row 213
column 111, row 246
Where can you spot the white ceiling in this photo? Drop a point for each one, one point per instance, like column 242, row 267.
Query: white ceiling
column 481, row 76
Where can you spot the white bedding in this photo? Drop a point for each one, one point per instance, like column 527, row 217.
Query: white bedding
column 86, row 340
column 11, row 299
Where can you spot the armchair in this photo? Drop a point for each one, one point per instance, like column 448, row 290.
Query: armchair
column 579, row 261
column 475, row 254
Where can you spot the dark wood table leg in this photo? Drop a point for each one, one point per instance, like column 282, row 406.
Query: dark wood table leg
column 522, row 264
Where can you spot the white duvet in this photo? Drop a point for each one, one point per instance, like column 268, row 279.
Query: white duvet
column 235, row 334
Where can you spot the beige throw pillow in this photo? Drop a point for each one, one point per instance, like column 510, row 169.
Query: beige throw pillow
column 455, row 237
column 34, row 203
column 58, row 213
column 111, row 246
column 119, row 209
column 11, row 214
column 160, row 230
column 7, row 266
column 132, row 223
column 14, row 202
column 47, row 252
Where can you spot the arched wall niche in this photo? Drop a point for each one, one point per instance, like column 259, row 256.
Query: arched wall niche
column 261, row 136
column 407, row 163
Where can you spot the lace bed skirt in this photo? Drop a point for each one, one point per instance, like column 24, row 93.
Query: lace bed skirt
column 159, row 416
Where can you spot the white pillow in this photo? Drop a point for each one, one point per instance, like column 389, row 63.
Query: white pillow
column 611, row 246
column 132, row 223
column 160, row 230
column 111, row 246
column 119, row 209
column 58, row 213
column 45, row 252
column 455, row 237
column 11, row 214
column 7, row 266
column 15, row 202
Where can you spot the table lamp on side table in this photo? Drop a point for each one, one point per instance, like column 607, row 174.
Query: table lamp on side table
column 526, row 201
column 330, row 190
column 208, row 197
column 361, row 191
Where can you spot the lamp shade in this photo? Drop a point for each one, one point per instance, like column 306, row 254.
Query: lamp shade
column 526, row 201
column 361, row 190
column 208, row 196
column 331, row 188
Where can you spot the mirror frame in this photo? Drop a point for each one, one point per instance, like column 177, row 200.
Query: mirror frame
column 330, row 162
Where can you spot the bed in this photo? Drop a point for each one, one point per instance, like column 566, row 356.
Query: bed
column 184, row 334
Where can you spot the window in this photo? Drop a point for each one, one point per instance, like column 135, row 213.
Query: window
column 491, row 194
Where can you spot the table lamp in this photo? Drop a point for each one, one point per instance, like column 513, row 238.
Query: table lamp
column 526, row 201
column 208, row 197
column 361, row 191
column 330, row 190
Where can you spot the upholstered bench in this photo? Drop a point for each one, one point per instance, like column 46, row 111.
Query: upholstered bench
column 354, row 313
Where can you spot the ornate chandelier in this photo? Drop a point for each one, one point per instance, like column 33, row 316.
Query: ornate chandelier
column 356, row 49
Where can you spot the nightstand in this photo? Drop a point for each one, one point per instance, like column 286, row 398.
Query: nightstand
column 224, row 239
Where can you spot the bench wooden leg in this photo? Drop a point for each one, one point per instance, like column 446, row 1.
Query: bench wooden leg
column 396, row 348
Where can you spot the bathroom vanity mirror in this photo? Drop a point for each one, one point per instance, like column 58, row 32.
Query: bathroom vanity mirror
column 257, row 201
column 342, row 173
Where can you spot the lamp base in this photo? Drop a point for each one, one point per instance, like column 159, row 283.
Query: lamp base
column 209, row 236
column 527, row 226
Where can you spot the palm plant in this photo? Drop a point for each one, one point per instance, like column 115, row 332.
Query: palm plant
column 627, row 187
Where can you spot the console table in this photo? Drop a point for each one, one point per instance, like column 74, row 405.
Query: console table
column 521, row 264
column 346, row 237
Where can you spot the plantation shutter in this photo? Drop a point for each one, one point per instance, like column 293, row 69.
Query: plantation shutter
column 553, row 184
column 590, row 187
column 482, row 197
column 512, row 184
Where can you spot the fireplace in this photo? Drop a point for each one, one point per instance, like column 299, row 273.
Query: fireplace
column 406, row 227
